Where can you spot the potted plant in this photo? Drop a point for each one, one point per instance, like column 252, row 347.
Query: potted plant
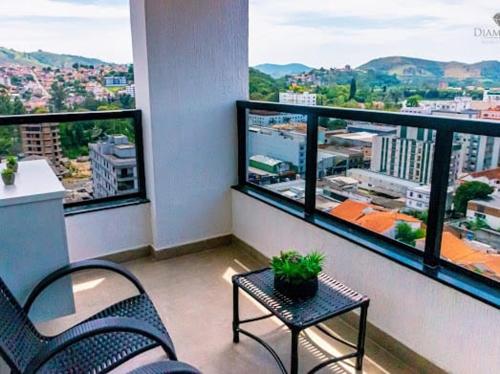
column 12, row 163
column 8, row 176
column 295, row 275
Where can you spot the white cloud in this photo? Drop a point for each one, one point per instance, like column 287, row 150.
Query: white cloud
column 335, row 33
column 315, row 32
column 82, row 28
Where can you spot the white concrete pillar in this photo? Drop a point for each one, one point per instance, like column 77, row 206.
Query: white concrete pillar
column 191, row 65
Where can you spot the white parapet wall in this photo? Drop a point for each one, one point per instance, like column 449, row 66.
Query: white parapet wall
column 107, row 232
column 449, row 328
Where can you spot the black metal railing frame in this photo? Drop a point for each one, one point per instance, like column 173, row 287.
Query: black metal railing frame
column 134, row 114
column 445, row 129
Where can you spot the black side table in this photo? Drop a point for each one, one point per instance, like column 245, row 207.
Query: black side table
column 333, row 298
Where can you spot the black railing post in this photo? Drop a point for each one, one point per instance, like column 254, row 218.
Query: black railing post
column 311, row 163
column 139, row 154
column 439, row 191
column 241, row 114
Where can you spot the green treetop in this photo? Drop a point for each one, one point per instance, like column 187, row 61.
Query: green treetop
column 470, row 191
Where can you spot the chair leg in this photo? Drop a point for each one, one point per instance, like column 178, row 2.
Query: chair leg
column 236, row 314
column 294, row 363
column 361, row 337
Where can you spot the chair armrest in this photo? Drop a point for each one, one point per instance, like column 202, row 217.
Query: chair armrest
column 79, row 266
column 96, row 327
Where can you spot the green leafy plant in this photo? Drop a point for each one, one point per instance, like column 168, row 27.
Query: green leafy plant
column 12, row 163
column 8, row 176
column 296, row 268
column 7, row 172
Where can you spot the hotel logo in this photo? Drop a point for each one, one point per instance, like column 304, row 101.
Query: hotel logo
column 496, row 18
column 487, row 34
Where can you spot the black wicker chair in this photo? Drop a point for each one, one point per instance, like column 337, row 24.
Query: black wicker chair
column 166, row 367
column 96, row 345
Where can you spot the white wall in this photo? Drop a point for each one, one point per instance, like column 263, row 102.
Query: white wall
column 106, row 232
column 191, row 62
column 455, row 331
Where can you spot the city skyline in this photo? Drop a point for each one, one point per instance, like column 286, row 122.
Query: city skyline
column 316, row 33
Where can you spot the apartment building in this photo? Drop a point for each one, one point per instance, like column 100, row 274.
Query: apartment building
column 299, row 98
column 459, row 104
column 114, row 166
column 381, row 183
column 43, row 140
column 492, row 96
column 418, row 198
column 492, row 113
column 409, row 155
column 269, row 118
column 115, row 81
column 130, row 90
column 488, row 210
column 479, row 152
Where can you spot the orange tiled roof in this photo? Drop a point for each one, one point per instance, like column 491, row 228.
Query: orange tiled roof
column 456, row 250
column 369, row 216
column 493, row 263
column 490, row 174
column 380, row 222
column 350, row 210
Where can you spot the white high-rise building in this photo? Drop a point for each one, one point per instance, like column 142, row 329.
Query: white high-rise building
column 130, row 90
column 298, row 98
column 479, row 152
column 114, row 167
column 409, row 155
column 492, row 96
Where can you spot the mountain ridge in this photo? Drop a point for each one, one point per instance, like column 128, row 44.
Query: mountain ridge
column 46, row 59
column 407, row 69
column 281, row 70
column 404, row 67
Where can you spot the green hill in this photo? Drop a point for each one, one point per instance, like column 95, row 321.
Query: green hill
column 278, row 71
column 408, row 68
column 42, row 58
column 264, row 87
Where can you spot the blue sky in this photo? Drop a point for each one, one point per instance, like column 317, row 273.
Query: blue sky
column 315, row 32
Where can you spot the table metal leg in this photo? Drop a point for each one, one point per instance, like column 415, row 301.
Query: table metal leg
column 294, row 364
column 236, row 314
column 361, row 337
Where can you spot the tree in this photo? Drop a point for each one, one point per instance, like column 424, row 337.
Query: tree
column 18, row 107
column 57, row 97
column 332, row 123
column 16, row 81
column 413, row 101
column 405, row 234
column 5, row 104
column 423, row 216
column 126, row 101
column 470, row 191
column 352, row 89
